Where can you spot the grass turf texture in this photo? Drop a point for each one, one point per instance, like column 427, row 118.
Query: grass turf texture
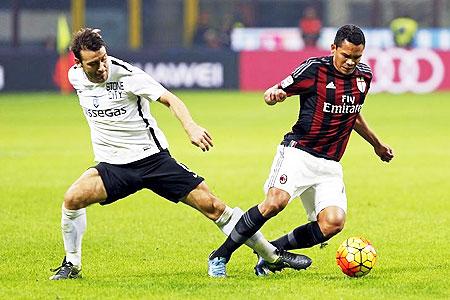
column 146, row 247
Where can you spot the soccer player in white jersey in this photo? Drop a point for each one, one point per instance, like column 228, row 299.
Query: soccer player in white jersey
column 132, row 152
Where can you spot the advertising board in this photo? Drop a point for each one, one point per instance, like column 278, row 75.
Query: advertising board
column 394, row 70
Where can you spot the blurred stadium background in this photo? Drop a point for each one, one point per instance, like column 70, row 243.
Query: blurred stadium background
column 216, row 44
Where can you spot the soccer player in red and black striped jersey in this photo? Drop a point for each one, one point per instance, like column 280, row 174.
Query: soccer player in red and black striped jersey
column 332, row 92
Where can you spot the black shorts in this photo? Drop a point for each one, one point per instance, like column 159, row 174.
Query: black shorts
column 159, row 172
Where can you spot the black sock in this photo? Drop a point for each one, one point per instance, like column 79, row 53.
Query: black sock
column 304, row 236
column 250, row 222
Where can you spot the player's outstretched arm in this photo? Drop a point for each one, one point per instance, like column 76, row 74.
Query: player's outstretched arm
column 382, row 150
column 274, row 94
column 199, row 136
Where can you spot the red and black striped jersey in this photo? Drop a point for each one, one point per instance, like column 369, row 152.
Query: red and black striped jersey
column 329, row 105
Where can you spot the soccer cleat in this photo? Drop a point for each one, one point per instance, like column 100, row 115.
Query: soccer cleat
column 286, row 260
column 217, row 267
column 66, row 271
column 261, row 268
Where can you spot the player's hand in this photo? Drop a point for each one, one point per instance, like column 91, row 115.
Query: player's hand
column 384, row 152
column 274, row 95
column 200, row 137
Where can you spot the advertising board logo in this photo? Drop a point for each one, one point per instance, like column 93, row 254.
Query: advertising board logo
column 399, row 70
column 187, row 75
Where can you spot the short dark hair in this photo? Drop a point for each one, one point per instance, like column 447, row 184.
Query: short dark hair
column 351, row 33
column 86, row 39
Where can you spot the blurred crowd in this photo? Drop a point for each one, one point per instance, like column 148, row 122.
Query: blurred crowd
column 210, row 34
column 207, row 35
column 215, row 32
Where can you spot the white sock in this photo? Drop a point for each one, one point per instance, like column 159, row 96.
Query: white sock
column 73, row 224
column 257, row 242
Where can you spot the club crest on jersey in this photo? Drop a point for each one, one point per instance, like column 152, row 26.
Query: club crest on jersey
column 95, row 102
column 361, row 84
column 283, row 179
column 287, row 81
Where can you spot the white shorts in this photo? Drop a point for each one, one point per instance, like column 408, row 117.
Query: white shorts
column 317, row 181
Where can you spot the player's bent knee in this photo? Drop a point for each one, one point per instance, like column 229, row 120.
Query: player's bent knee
column 86, row 190
column 271, row 208
column 275, row 202
column 329, row 230
column 335, row 229
column 331, row 221
column 275, row 193
column 331, row 226
column 72, row 200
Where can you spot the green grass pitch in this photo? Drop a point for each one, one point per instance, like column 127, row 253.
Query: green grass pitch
column 144, row 247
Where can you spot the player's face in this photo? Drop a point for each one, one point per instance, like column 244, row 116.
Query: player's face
column 346, row 56
column 95, row 64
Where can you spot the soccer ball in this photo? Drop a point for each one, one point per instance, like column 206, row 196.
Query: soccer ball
column 356, row 256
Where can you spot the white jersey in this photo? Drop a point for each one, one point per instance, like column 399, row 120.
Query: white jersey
column 118, row 112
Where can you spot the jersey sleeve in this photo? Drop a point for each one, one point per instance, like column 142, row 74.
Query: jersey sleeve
column 142, row 84
column 74, row 77
column 302, row 80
